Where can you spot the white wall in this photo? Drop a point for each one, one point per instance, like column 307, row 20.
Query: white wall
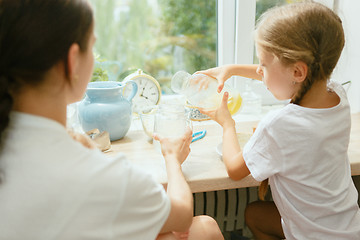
column 348, row 68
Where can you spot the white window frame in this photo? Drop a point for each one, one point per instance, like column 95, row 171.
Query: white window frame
column 236, row 22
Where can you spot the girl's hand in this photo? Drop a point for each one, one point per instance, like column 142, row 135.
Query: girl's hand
column 179, row 147
column 221, row 74
column 222, row 114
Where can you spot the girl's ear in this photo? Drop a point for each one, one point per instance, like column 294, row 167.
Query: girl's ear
column 300, row 71
column 73, row 62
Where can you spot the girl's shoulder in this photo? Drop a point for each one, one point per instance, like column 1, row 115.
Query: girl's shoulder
column 276, row 120
column 293, row 114
column 275, row 116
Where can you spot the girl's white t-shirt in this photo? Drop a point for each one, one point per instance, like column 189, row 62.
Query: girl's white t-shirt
column 54, row 188
column 303, row 152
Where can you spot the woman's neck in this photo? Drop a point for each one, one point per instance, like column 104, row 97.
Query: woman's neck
column 44, row 100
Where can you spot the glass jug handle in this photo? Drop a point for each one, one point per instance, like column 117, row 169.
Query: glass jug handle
column 133, row 90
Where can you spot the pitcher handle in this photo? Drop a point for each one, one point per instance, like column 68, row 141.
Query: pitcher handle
column 134, row 89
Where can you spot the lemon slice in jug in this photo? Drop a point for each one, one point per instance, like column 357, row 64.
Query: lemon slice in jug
column 234, row 103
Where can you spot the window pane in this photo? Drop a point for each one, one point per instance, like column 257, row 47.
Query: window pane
column 158, row 36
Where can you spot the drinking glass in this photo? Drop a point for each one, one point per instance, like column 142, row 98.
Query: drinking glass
column 171, row 120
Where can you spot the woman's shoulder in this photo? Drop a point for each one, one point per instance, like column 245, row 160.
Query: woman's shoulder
column 97, row 164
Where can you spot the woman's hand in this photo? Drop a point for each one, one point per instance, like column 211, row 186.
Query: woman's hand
column 83, row 139
column 178, row 147
column 222, row 114
column 221, row 74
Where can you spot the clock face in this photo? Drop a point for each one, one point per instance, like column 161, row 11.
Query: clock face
column 148, row 93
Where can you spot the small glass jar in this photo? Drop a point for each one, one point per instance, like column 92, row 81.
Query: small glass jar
column 171, row 120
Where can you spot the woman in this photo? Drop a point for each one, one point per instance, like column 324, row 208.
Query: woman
column 53, row 187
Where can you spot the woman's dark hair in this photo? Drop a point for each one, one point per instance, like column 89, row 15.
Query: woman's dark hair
column 34, row 36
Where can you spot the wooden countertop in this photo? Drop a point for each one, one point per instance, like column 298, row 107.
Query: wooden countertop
column 204, row 169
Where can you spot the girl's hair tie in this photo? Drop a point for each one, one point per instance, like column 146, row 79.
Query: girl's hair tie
column 317, row 58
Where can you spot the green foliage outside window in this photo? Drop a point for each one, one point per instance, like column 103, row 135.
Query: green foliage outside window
column 158, row 36
column 192, row 26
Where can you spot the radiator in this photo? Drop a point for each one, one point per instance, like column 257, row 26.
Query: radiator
column 227, row 206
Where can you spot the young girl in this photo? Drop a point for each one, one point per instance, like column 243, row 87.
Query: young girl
column 53, row 187
column 301, row 148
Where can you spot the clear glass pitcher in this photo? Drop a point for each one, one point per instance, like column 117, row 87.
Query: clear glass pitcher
column 201, row 91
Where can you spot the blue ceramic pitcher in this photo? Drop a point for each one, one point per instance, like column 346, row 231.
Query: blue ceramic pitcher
column 104, row 107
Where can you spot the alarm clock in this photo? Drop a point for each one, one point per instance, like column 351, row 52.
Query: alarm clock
column 149, row 91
